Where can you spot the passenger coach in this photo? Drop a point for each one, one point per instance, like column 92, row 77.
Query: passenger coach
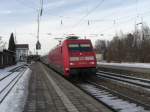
column 73, row 57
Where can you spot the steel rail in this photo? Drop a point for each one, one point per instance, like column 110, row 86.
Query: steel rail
column 125, row 97
column 14, row 70
column 125, row 76
column 144, row 85
column 13, row 82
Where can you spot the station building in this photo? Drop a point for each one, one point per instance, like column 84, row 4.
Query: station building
column 22, row 52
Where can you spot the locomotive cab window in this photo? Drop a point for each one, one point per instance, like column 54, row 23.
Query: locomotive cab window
column 80, row 47
column 85, row 47
column 74, row 47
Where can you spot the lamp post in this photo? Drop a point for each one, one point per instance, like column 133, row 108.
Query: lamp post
column 40, row 12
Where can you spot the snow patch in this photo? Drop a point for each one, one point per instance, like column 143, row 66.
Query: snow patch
column 16, row 99
column 135, row 65
column 113, row 101
column 5, row 71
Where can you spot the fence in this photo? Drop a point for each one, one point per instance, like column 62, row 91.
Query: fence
column 7, row 58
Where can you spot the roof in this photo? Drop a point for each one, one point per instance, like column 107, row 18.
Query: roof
column 77, row 40
column 72, row 37
column 22, row 46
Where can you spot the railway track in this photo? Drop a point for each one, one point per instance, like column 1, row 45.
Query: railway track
column 143, row 83
column 11, row 72
column 112, row 99
column 9, row 81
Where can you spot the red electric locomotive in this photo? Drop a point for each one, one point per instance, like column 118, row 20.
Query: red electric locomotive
column 73, row 57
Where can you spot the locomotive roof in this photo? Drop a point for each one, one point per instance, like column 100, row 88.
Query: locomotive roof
column 77, row 40
column 72, row 37
column 71, row 40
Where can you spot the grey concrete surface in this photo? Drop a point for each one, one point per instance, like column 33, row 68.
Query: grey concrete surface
column 49, row 92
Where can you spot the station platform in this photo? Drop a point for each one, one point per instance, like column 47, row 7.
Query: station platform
column 49, row 92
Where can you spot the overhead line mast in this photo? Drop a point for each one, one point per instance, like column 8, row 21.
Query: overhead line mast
column 40, row 13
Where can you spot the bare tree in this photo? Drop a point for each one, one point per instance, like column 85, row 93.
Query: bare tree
column 101, row 47
column 131, row 47
column 2, row 44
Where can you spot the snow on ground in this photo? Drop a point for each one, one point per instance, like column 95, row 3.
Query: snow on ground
column 135, row 65
column 113, row 101
column 6, row 71
column 15, row 100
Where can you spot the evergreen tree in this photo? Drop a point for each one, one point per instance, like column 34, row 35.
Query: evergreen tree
column 12, row 46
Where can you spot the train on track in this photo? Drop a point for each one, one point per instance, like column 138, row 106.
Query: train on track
column 73, row 57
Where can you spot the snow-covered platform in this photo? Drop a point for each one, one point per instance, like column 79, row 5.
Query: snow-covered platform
column 49, row 92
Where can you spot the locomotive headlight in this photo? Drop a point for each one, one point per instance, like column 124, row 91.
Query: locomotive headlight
column 89, row 58
column 67, row 69
column 92, row 62
column 71, row 63
column 74, row 58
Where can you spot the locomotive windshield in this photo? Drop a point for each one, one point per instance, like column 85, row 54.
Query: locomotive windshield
column 80, row 47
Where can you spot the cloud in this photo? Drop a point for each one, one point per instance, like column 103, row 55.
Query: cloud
column 3, row 12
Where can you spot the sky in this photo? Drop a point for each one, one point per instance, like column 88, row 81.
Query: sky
column 106, row 18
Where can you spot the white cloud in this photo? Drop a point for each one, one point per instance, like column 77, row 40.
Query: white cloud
column 5, row 12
